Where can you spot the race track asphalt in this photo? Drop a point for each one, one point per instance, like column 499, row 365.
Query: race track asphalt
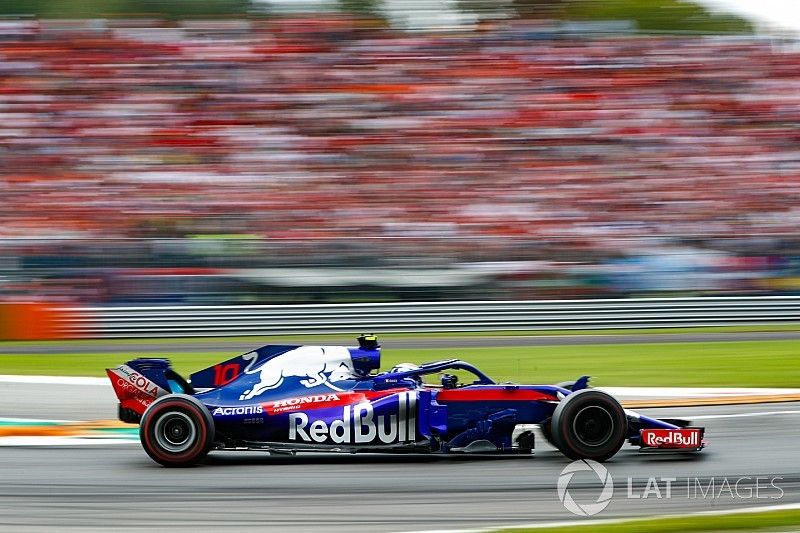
column 116, row 486
column 104, row 487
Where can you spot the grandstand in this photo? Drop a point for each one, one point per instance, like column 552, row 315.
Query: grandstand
column 531, row 143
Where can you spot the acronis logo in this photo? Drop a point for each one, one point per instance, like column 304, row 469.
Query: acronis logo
column 244, row 410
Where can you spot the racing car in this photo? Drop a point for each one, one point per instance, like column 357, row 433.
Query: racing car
column 289, row 399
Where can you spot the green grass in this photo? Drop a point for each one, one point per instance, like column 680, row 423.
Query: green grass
column 773, row 363
column 781, row 520
column 657, row 15
column 103, row 8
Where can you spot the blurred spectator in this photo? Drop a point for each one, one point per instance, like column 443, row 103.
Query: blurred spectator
column 509, row 143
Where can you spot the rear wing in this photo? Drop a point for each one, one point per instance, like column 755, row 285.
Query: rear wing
column 139, row 382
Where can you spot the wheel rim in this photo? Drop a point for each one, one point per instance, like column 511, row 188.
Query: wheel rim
column 175, row 432
column 593, row 426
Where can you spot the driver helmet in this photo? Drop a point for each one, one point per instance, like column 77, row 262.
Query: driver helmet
column 407, row 367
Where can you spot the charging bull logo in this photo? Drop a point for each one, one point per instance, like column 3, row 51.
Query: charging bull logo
column 315, row 364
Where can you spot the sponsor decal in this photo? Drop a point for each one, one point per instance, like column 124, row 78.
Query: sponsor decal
column 224, row 373
column 134, row 390
column 313, row 401
column 671, row 438
column 242, row 410
column 359, row 425
column 135, row 383
column 317, row 366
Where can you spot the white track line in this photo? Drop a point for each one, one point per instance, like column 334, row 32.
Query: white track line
column 743, row 415
column 594, row 523
column 693, row 392
column 55, row 380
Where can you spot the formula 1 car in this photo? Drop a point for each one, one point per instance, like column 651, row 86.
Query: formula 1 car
column 285, row 399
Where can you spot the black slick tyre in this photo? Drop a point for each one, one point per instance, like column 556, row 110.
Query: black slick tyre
column 177, row 430
column 589, row 424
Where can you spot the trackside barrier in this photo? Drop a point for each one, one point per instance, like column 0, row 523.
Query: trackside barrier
column 33, row 321
column 190, row 321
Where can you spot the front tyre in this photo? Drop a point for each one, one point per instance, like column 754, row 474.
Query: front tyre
column 589, row 424
column 177, row 430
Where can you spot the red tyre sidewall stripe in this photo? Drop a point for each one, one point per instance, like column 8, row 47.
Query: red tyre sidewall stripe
column 201, row 427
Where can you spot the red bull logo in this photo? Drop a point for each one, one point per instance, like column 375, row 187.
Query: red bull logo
column 316, row 365
column 671, row 438
column 359, row 424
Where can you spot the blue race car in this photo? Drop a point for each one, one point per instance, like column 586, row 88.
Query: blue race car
column 285, row 399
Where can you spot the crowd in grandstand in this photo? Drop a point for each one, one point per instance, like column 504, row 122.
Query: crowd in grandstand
column 309, row 130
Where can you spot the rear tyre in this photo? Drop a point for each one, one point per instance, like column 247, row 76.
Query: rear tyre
column 177, row 430
column 589, row 424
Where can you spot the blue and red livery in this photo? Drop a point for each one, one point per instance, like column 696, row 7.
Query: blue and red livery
column 285, row 399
